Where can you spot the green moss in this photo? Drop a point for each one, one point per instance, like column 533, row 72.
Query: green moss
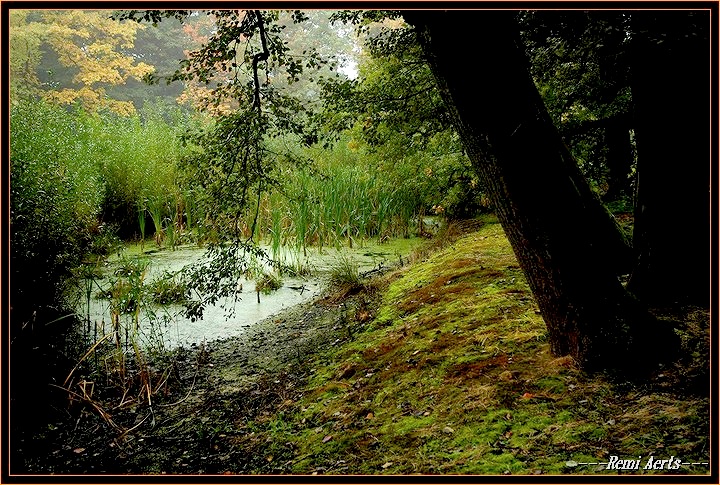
column 454, row 375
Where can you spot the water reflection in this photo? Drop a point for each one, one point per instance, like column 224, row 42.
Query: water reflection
column 167, row 326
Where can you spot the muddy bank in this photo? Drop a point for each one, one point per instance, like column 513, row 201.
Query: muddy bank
column 203, row 420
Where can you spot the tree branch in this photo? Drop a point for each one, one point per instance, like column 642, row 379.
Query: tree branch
column 260, row 56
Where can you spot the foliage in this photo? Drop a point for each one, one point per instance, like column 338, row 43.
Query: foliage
column 581, row 65
column 55, row 196
column 394, row 109
column 89, row 44
column 138, row 163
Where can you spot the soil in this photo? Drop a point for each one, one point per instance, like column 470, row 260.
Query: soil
column 201, row 420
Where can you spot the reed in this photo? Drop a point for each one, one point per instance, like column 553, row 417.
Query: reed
column 141, row 223
column 346, row 207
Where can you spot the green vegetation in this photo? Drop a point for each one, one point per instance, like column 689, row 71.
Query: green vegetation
column 349, row 195
column 454, row 375
column 443, row 365
column 345, row 272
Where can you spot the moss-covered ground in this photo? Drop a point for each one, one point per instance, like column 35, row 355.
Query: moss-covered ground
column 441, row 366
column 454, row 376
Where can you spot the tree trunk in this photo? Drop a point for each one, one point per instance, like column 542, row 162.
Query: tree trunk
column 559, row 231
column 671, row 95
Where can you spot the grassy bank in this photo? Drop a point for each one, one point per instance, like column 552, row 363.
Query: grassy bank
column 440, row 367
column 453, row 374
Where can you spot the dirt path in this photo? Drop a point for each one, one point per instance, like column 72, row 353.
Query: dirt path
column 204, row 423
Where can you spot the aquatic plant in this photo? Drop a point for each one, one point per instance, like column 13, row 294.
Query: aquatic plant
column 168, row 288
column 344, row 271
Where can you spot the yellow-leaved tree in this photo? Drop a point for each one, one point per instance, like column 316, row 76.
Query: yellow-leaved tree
column 96, row 47
column 25, row 54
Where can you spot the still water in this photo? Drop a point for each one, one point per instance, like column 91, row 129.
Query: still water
column 167, row 325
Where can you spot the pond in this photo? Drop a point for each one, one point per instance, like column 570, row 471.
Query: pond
column 167, row 326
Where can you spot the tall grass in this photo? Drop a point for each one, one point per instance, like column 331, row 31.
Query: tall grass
column 140, row 157
column 346, row 198
column 74, row 177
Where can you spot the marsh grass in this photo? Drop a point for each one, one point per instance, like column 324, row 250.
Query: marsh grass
column 129, row 359
column 346, row 208
column 168, row 288
column 345, row 272
column 344, row 197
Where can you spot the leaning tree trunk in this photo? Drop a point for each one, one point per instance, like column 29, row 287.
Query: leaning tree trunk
column 558, row 230
column 671, row 95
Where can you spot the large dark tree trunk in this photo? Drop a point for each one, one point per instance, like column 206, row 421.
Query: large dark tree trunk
column 560, row 233
column 671, row 94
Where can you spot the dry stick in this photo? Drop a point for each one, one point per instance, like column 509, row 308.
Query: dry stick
column 192, row 386
column 163, row 379
column 92, row 349
column 103, row 414
column 126, row 432
column 122, row 400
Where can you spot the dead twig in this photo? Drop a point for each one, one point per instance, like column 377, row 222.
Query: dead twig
column 103, row 414
column 90, row 351
column 192, row 386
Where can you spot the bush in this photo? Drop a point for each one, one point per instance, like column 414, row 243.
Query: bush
column 54, row 200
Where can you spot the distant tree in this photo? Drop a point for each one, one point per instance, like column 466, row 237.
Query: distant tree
column 87, row 44
column 394, row 109
column 162, row 47
column 25, row 55
column 580, row 62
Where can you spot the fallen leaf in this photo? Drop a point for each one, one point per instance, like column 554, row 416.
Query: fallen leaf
column 527, row 395
column 79, row 450
column 369, row 416
column 387, row 465
column 327, row 438
column 448, row 430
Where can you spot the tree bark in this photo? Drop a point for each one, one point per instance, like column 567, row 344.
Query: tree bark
column 671, row 94
column 559, row 231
